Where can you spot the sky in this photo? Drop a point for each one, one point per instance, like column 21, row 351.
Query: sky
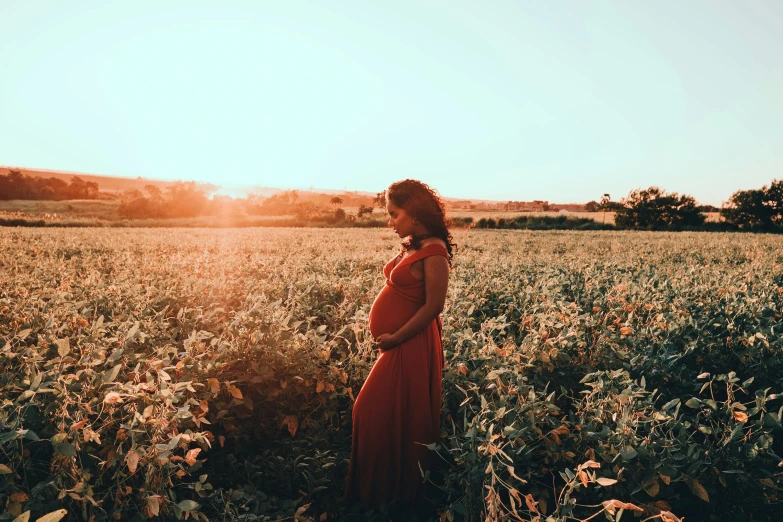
column 506, row 100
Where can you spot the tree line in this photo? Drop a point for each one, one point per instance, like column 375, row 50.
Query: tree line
column 16, row 185
column 757, row 210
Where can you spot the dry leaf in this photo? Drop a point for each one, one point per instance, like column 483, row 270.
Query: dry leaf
column 698, row 490
column 112, row 398
column 214, row 385
column 234, row 391
column 652, row 488
column 24, row 517
column 54, row 516
column 299, row 512
column 589, row 464
column 531, row 504
column 132, row 459
column 666, row 516
column 19, row 496
column 319, row 387
column 606, row 481
column 582, row 476
column 190, row 457
column 666, row 479
column 79, row 425
column 741, row 416
column 625, row 330
column 292, row 422
column 5, row 470
column 153, row 505
column 462, row 368
column 611, row 505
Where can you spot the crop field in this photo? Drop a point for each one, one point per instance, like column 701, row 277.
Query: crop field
column 209, row 374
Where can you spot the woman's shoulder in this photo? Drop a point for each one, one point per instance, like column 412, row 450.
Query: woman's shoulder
column 434, row 246
column 433, row 241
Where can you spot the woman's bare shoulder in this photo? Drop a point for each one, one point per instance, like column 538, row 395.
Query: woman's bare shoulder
column 433, row 241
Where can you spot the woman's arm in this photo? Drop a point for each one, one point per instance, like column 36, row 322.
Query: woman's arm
column 436, row 282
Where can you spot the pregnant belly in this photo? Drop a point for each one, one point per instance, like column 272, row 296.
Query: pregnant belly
column 390, row 312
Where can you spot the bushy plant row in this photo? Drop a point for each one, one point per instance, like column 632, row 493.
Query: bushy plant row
column 205, row 374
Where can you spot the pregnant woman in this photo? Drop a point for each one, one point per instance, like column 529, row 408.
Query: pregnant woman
column 397, row 411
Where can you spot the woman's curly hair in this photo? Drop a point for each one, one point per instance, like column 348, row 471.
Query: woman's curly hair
column 424, row 205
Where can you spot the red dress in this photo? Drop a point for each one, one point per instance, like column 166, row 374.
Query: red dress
column 398, row 407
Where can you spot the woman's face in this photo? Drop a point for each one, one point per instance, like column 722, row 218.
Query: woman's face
column 401, row 221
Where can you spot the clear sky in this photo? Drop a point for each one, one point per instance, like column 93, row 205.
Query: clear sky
column 522, row 100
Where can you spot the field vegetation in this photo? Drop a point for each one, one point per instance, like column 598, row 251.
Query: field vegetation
column 209, row 374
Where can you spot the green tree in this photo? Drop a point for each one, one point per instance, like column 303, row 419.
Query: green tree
column 757, row 209
column 654, row 209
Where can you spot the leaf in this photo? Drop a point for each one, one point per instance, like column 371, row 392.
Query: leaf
column 234, row 391
column 191, row 455
column 23, row 334
column 652, row 488
column 24, row 517
column 110, row 375
column 693, row 402
column 54, row 516
column 214, row 385
column 63, row 347
column 703, row 375
column 132, row 459
column 671, row 404
column 19, row 496
column 153, row 505
column 606, row 481
column 300, row 512
column 5, row 470
column 611, row 505
column 64, row 448
column 188, row 505
column 625, row 330
column 531, row 504
column 741, row 416
column 133, row 331
column 590, row 464
column 667, row 516
column 112, row 398
column 698, row 490
column 494, row 374
column 319, row 387
column 736, row 432
column 628, row 453
column 292, row 422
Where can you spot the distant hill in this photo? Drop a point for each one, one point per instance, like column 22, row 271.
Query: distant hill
column 118, row 184
column 109, row 184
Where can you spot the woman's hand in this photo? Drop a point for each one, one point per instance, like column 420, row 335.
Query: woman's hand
column 386, row 342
